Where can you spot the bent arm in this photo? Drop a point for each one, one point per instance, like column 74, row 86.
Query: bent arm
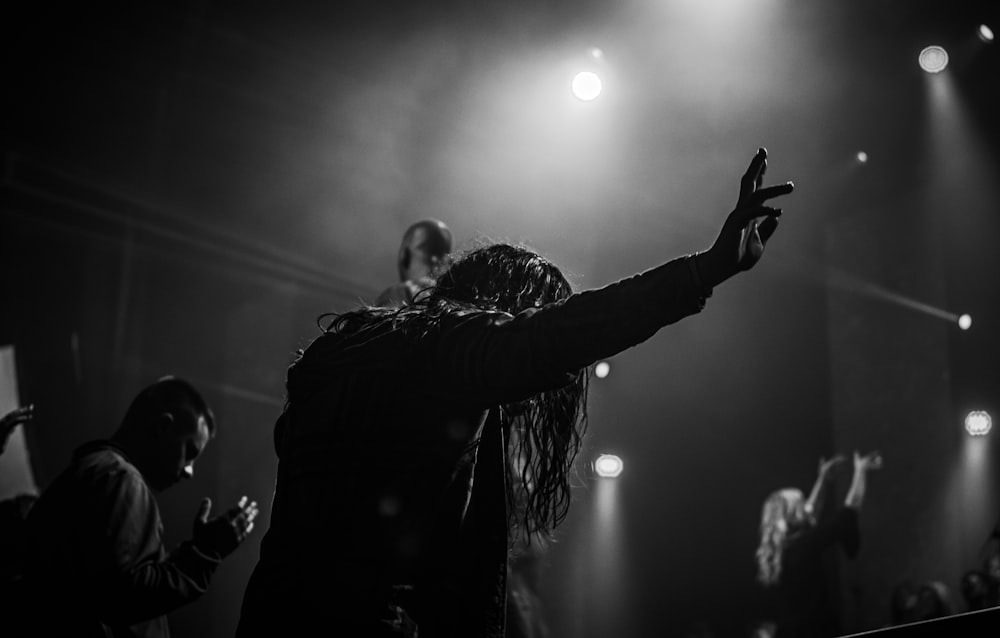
column 494, row 356
column 859, row 484
column 144, row 581
column 814, row 504
column 856, row 493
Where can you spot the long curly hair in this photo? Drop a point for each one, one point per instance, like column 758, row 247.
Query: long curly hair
column 544, row 433
column 782, row 512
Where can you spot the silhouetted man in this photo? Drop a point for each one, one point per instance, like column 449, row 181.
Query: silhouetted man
column 96, row 564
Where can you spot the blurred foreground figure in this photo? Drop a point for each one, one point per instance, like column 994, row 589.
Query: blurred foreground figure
column 95, row 563
column 10, row 421
column 794, row 537
column 425, row 246
column 394, row 508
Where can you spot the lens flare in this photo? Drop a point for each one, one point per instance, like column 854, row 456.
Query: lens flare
column 933, row 59
column 978, row 423
column 608, row 466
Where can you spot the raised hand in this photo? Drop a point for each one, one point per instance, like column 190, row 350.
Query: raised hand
column 744, row 234
column 870, row 461
column 827, row 465
column 14, row 418
column 224, row 533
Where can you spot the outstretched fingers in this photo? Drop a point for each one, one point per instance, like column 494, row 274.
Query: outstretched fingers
column 763, row 194
column 755, row 173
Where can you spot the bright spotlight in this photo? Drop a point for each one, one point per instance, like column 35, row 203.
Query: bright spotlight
column 985, row 33
column 965, row 322
column 586, row 86
column 608, row 466
column 862, row 157
column 602, row 369
column 933, row 59
column 978, row 423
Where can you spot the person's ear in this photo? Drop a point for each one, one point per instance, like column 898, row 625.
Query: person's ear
column 164, row 424
column 405, row 258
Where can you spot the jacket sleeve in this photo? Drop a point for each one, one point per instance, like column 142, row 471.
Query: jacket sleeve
column 496, row 356
column 143, row 581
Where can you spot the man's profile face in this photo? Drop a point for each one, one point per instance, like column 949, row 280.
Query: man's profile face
column 421, row 258
column 180, row 441
column 427, row 247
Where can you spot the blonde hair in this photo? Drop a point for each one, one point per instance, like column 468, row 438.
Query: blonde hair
column 780, row 509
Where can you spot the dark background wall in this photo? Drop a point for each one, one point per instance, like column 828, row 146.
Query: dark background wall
column 186, row 186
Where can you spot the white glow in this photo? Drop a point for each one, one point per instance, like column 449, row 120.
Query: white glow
column 586, row 86
column 862, row 157
column 602, row 369
column 965, row 322
column 978, row 423
column 597, row 54
column 608, row 466
column 933, row 59
column 985, row 33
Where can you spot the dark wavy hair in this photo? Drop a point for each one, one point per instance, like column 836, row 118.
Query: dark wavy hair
column 545, row 431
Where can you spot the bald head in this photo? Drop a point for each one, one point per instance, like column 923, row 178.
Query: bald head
column 425, row 245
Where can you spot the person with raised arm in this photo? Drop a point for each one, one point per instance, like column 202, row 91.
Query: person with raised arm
column 393, row 500
column 796, row 535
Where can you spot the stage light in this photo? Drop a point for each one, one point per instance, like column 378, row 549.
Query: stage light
column 862, row 157
column 602, row 369
column 985, row 33
column 597, row 54
column 965, row 322
column 586, row 86
column 978, row 423
column 933, row 59
column 608, row 466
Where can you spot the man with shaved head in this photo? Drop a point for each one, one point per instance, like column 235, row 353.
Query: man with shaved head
column 425, row 246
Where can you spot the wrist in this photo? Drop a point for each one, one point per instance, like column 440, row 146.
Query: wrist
column 710, row 268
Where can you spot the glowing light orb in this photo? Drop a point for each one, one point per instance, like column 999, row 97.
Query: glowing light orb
column 608, row 466
column 978, row 423
column 965, row 322
column 597, row 54
column 587, row 86
column 602, row 369
column 862, row 157
column 985, row 33
column 933, row 59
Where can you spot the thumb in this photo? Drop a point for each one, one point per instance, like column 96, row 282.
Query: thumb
column 203, row 510
column 767, row 228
